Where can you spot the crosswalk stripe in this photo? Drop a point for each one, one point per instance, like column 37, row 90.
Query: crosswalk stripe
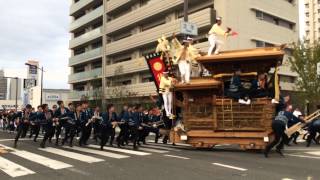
column 161, row 147
column 127, row 151
column 178, row 144
column 50, row 163
column 152, row 150
column 98, row 152
column 72, row 155
column 13, row 169
column 316, row 153
column 179, row 157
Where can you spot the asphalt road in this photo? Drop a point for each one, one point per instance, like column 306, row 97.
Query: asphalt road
column 153, row 161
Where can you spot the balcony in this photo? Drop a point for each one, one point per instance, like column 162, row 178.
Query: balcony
column 85, row 76
column 85, row 57
column 89, row 36
column 114, row 4
column 91, row 94
column 201, row 18
column 134, row 90
column 79, row 5
column 126, row 67
column 275, row 9
column 141, row 13
column 86, row 18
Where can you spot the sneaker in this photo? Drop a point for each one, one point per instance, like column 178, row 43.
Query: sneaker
column 273, row 101
column 248, row 102
column 241, row 101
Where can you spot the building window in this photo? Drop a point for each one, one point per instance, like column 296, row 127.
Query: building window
column 275, row 20
column 307, row 14
column 259, row 15
column 307, row 23
column 153, row 24
column 307, row 6
column 263, row 44
column 147, row 79
column 291, row 1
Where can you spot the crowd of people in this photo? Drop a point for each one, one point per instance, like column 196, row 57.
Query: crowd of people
column 62, row 124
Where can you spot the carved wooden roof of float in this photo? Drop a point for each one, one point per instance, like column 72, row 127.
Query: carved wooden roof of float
column 257, row 54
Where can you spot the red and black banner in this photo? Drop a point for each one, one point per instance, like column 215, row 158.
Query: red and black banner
column 156, row 66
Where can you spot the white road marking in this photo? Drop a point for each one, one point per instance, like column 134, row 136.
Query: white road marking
column 152, row 150
column 302, row 149
column 287, row 179
column 302, row 156
column 13, row 169
column 160, row 147
column 317, row 153
column 98, row 152
column 50, row 163
column 72, row 155
column 231, row 167
column 178, row 144
column 179, row 157
column 139, row 153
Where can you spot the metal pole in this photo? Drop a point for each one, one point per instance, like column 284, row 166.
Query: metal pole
column 41, row 91
column 185, row 10
column 17, row 93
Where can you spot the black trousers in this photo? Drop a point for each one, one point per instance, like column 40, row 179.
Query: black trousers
column 70, row 132
column 123, row 135
column 313, row 130
column 112, row 135
column 58, row 132
column 49, row 133
column 278, row 128
column 96, row 130
column 34, row 130
column 134, row 133
column 22, row 130
column 106, row 131
column 85, row 134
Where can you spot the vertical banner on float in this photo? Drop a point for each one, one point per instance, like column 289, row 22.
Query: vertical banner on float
column 156, row 67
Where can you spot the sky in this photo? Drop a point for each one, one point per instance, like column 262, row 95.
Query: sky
column 36, row 30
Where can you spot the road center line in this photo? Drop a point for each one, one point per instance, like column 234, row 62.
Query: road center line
column 179, row 157
column 231, row 167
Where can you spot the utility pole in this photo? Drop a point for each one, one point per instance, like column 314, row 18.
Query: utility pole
column 41, row 91
column 17, row 93
column 185, row 10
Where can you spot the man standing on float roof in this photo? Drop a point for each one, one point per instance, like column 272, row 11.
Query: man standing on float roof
column 214, row 33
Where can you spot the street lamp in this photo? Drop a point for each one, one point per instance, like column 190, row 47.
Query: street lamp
column 41, row 88
column 16, row 78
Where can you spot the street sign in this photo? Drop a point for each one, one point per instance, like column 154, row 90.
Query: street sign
column 29, row 83
column 188, row 28
column 318, row 69
column 52, row 97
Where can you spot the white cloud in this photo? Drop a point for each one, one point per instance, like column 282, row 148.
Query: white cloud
column 36, row 29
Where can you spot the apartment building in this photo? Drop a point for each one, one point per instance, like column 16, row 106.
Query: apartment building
column 312, row 20
column 3, row 86
column 110, row 37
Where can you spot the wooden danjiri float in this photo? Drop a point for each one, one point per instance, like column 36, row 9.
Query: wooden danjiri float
column 209, row 118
